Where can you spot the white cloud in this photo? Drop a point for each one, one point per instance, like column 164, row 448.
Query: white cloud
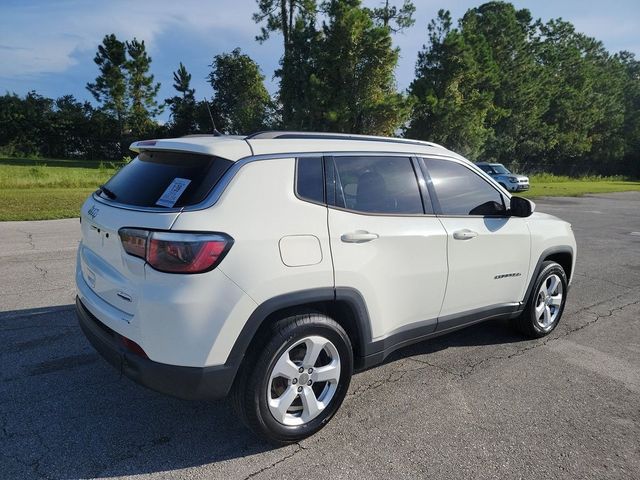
column 40, row 39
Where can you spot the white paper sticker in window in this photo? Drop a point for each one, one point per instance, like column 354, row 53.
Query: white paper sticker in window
column 173, row 192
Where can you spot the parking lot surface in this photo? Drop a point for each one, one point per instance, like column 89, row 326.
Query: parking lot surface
column 479, row 403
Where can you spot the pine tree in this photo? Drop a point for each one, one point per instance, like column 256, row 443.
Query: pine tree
column 241, row 103
column 142, row 90
column 110, row 86
column 394, row 18
column 356, row 72
column 452, row 96
column 183, row 106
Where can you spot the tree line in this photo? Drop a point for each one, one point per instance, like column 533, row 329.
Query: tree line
column 498, row 85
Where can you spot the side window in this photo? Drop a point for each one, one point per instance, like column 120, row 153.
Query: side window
column 462, row 192
column 309, row 180
column 377, row 185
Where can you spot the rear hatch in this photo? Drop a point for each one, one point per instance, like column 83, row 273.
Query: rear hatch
column 147, row 193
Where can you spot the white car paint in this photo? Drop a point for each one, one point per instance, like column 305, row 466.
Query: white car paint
column 411, row 273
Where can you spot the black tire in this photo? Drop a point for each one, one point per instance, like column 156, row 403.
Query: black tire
column 527, row 322
column 253, row 386
column 503, row 186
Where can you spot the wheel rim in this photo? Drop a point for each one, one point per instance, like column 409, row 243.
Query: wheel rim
column 548, row 302
column 303, row 381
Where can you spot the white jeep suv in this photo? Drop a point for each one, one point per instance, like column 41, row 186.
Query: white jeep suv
column 275, row 265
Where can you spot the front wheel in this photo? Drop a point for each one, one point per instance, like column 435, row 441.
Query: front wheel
column 298, row 381
column 546, row 303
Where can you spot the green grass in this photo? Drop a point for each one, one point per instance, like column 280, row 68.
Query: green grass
column 44, row 189
column 560, row 186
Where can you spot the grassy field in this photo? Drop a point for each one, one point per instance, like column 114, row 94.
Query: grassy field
column 561, row 186
column 43, row 189
column 46, row 189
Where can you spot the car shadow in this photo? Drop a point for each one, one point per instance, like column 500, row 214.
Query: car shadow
column 489, row 332
column 65, row 413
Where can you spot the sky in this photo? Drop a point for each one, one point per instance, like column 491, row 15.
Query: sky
column 49, row 45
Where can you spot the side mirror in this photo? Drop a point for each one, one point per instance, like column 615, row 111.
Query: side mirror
column 489, row 208
column 521, row 207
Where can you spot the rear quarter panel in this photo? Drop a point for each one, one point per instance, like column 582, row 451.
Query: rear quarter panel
column 259, row 209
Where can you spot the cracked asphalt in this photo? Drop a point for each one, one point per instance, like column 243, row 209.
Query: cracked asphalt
column 479, row 403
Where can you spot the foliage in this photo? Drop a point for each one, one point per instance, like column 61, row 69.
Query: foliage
column 388, row 15
column 356, row 71
column 339, row 77
column 451, row 93
column 126, row 93
column 182, row 106
column 503, row 87
column 497, row 85
column 142, row 90
column 110, row 86
column 241, row 102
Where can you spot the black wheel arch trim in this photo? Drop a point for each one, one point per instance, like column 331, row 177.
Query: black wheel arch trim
column 349, row 296
column 543, row 256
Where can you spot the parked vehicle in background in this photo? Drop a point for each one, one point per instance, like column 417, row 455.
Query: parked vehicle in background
column 501, row 174
column 272, row 266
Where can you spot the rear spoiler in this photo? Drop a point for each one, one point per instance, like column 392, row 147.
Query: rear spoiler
column 139, row 146
column 225, row 147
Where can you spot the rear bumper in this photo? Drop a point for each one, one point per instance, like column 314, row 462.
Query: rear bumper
column 183, row 382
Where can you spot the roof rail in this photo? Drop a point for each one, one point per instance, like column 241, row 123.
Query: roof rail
column 273, row 134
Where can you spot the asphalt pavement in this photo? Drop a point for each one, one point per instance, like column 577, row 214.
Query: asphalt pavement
column 479, row 403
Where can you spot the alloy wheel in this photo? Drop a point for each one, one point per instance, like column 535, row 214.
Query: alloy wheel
column 303, row 381
column 548, row 302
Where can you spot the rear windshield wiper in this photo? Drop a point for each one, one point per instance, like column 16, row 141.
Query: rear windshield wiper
column 107, row 192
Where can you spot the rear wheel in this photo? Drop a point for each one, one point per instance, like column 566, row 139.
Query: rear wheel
column 546, row 303
column 298, row 381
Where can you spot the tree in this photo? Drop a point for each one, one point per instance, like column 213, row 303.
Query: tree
column 586, row 106
column 110, row 86
column 297, row 95
column 241, row 102
column 356, row 73
column 500, row 40
column 70, row 131
column 452, row 95
column 183, row 106
column 281, row 16
column 387, row 15
column 142, row 90
column 631, row 124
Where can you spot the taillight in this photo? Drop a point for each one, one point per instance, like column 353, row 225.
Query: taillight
column 176, row 252
column 134, row 241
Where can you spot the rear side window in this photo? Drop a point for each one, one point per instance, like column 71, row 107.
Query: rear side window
column 309, row 180
column 461, row 191
column 377, row 185
column 165, row 179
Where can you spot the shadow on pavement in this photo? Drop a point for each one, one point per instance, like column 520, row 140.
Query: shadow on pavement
column 66, row 413
column 490, row 332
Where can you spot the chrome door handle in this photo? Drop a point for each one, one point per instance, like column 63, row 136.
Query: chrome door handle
column 359, row 236
column 464, row 234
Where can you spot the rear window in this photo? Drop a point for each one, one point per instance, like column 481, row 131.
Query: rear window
column 166, row 179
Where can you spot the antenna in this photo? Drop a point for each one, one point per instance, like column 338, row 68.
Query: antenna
column 215, row 132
